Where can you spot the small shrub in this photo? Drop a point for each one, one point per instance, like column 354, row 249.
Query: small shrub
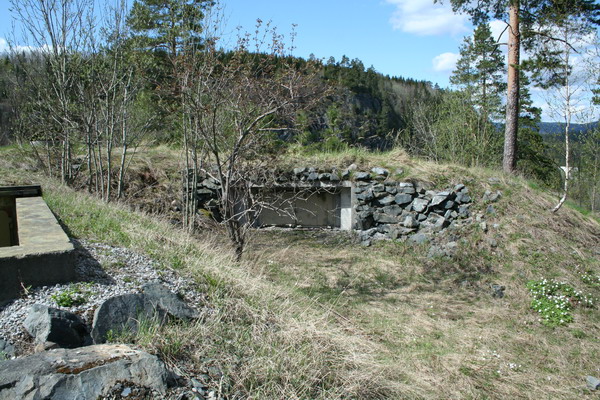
column 554, row 301
column 74, row 295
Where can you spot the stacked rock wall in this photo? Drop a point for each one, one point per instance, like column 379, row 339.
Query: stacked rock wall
column 394, row 209
column 382, row 206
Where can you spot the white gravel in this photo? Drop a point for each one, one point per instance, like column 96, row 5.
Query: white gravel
column 103, row 271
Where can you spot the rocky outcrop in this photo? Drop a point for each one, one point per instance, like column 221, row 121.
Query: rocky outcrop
column 124, row 312
column 80, row 374
column 47, row 324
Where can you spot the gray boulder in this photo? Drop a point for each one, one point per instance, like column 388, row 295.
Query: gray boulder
column 420, row 205
column 396, row 231
column 47, row 324
column 593, row 383
column 163, row 299
column 394, row 210
column 362, row 176
column 403, row 198
column 7, row 350
column 464, row 211
column 367, row 195
column 385, row 218
column 313, row 176
column 380, row 171
column 386, row 201
column 299, row 170
column 410, row 221
column 440, row 197
column 419, row 238
column 491, row 197
column 364, row 220
column 449, row 204
column 406, row 187
column 435, row 223
column 122, row 313
column 80, row 374
column 379, row 187
column 459, row 187
column 157, row 303
column 462, row 198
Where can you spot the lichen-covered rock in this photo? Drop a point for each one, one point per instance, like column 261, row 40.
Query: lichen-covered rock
column 80, row 374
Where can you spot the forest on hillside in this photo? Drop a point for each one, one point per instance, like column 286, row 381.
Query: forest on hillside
column 87, row 92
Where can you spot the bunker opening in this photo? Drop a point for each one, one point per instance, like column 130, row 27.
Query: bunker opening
column 8, row 221
column 314, row 208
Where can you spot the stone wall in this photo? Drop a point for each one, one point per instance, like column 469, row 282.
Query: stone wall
column 382, row 206
column 394, row 209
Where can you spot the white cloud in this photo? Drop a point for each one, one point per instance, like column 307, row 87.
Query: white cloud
column 3, row 45
column 423, row 17
column 445, row 62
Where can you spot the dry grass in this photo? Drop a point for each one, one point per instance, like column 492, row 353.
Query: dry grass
column 434, row 322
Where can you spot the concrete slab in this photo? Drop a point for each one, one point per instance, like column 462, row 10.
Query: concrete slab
column 44, row 255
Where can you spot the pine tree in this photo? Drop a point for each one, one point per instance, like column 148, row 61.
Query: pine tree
column 169, row 25
column 480, row 71
column 479, row 74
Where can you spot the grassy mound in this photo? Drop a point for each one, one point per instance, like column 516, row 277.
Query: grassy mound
column 312, row 315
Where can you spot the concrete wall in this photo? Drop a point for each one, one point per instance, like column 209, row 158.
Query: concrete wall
column 308, row 208
column 44, row 255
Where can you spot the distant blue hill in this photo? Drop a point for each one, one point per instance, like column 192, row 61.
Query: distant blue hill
column 555, row 128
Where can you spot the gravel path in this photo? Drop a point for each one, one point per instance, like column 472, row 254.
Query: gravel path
column 103, row 271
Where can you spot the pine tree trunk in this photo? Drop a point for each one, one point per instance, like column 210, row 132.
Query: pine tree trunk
column 512, row 98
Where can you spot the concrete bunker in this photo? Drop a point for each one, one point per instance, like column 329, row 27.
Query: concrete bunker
column 377, row 204
column 310, row 207
column 35, row 251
